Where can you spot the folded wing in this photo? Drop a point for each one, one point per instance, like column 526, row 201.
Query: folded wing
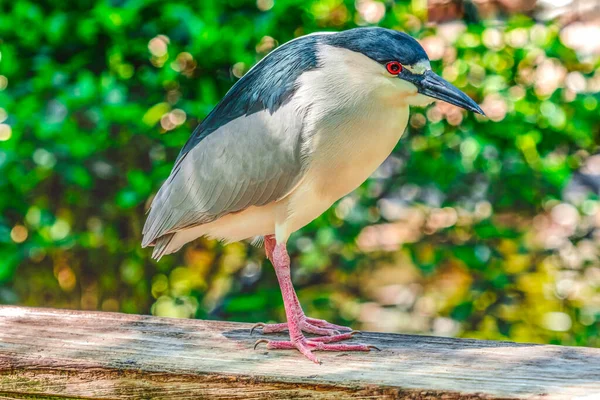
column 250, row 161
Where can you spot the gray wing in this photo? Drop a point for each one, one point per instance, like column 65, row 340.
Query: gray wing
column 250, row 161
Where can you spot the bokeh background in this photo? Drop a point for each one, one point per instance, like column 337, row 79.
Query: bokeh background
column 474, row 227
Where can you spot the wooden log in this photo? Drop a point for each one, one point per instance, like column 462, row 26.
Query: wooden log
column 47, row 353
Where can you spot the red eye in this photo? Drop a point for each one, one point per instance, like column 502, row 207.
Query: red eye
column 394, row 67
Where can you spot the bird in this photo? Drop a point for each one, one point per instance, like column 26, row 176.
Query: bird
column 305, row 126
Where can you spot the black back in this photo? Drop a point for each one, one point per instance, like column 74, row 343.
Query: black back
column 267, row 86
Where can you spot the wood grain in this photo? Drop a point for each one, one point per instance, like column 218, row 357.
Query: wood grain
column 54, row 354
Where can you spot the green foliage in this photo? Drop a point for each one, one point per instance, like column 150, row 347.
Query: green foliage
column 463, row 231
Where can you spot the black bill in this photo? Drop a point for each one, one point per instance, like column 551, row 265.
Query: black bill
column 437, row 87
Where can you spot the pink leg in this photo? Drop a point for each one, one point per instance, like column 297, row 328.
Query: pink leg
column 270, row 246
column 281, row 262
column 309, row 325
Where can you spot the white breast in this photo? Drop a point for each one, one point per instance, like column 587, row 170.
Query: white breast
column 346, row 155
column 357, row 118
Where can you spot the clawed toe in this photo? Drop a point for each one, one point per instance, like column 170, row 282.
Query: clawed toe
column 328, row 325
column 308, row 325
column 258, row 325
column 335, row 338
column 269, row 328
column 325, row 343
column 259, row 341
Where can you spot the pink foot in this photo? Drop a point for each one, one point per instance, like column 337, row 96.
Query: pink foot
column 297, row 321
column 307, row 346
column 308, row 325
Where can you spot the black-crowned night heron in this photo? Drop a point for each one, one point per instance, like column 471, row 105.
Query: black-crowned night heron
column 305, row 126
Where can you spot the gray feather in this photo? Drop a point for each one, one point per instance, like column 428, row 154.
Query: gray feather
column 162, row 244
column 251, row 161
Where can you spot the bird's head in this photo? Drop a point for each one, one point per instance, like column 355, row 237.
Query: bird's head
column 402, row 61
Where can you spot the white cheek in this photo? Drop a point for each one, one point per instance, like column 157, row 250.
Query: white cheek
column 420, row 100
column 411, row 94
column 405, row 87
column 407, row 93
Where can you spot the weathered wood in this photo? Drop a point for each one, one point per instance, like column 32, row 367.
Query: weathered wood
column 48, row 353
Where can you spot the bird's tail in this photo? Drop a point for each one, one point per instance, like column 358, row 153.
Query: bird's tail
column 162, row 246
